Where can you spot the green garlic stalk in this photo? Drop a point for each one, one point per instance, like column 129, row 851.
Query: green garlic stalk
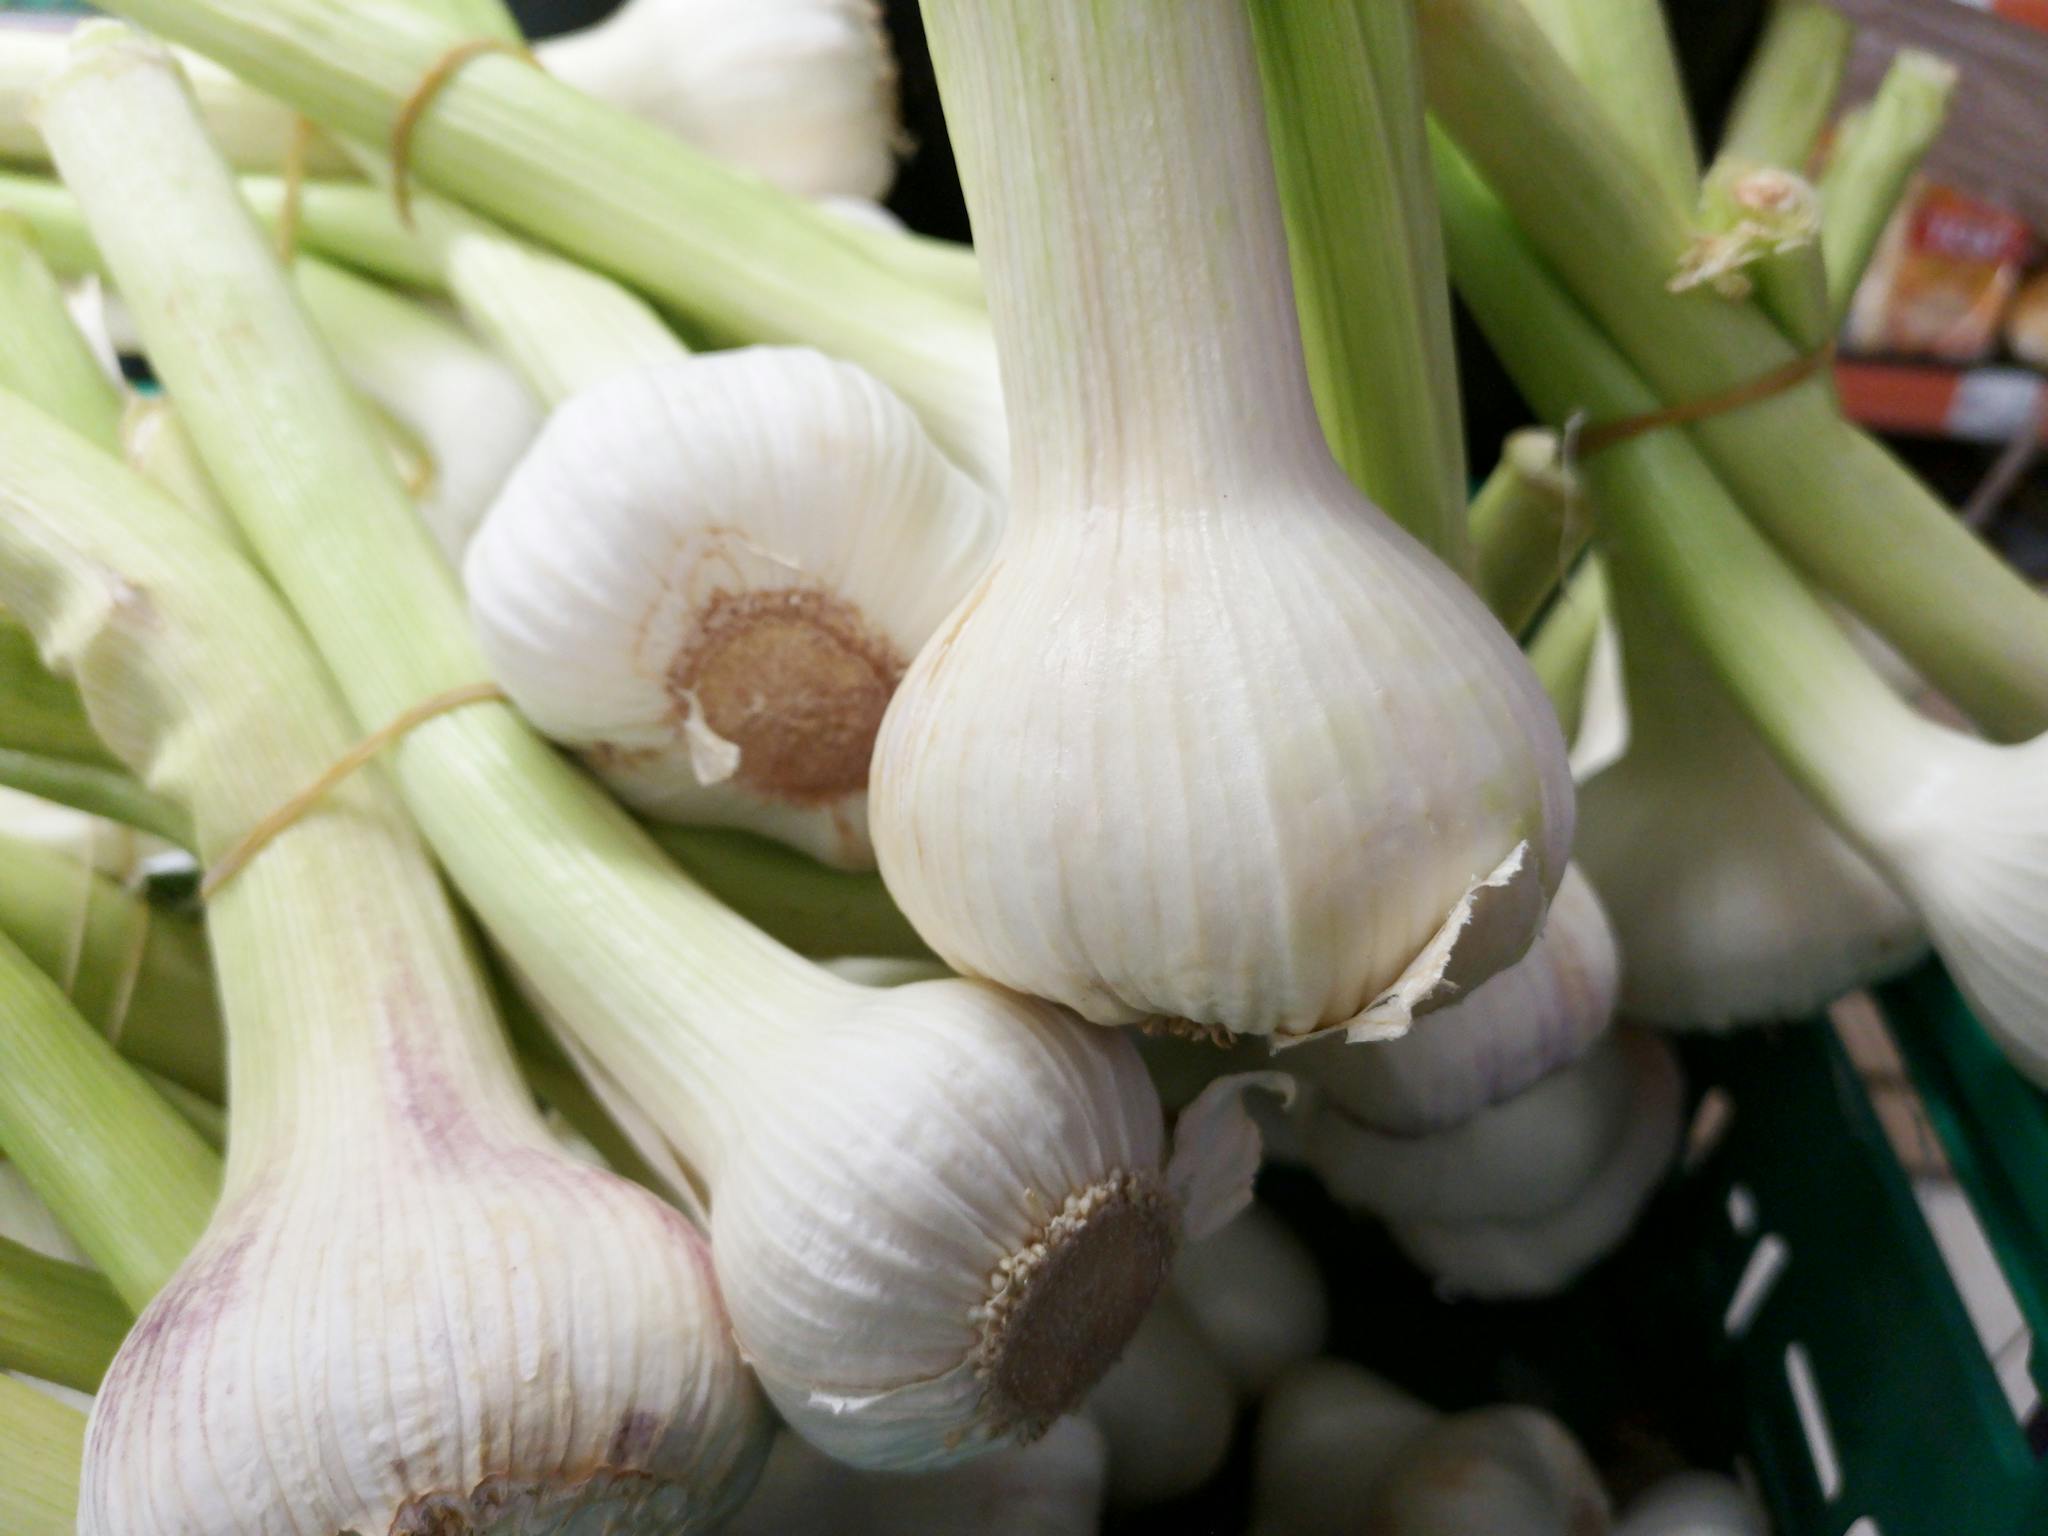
column 44, row 354
column 744, row 261
column 1213, row 739
column 1875, row 154
column 1839, row 505
column 1957, row 825
column 41, row 1443
column 1344, row 107
column 937, row 1211
column 1623, row 48
column 59, row 1321
column 1529, row 524
column 1789, row 88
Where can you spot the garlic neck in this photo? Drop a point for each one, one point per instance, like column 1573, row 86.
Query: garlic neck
column 1123, row 197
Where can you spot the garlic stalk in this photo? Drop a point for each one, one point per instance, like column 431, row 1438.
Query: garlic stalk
column 28, row 1221
column 1052, row 1487
column 938, row 1211
column 1957, row 825
column 709, row 577
column 59, row 1321
column 1165, row 1409
column 802, row 92
column 1876, row 151
column 1733, row 899
column 1625, row 45
column 1694, row 1504
column 40, row 1445
column 742, row 260
column 385, row 1152
column 1840, row 506
column 1789, row 87
column 1540, row 1014
column 1213, row 740
column 1504, row 1471
column 1517, row 1160
column 1253, row 1292
column 1529, row 522
column 1328, row 1433
column 45, row 355
column 1543, row 1254
column 942, row 266
column 1566, row 654
column 253, row 131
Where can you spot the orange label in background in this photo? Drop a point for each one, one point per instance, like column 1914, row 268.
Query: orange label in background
column 1942, row 278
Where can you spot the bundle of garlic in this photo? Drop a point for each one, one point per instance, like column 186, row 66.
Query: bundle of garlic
column 911, row 1190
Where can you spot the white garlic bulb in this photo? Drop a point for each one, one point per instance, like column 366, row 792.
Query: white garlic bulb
column 1541, row 1255
column 1733, row 898
column 1516, row 1160
column 1213, row 740
column 801, row 91
column 1253, row 1292
column 1327, row 1434
column 1503, row 1471
column 709, row 576
column 1165, row 1410
column 1694, row 1504
column 1051, row 1487
column 1540, row 1014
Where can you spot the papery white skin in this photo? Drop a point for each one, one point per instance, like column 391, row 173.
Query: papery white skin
column 1327, row 1433
column 657, row 505
column 1733, row 898
column 1540, row 1014
column 1694, row 1504
column 1166, row 1410
column 1214, row 740
column 1252, row 1290
column 876, row 1234
column 1052, row 1487
column 802, row 92
column 1516, row 1259
column 1517, row 1160
column 1491, row 1472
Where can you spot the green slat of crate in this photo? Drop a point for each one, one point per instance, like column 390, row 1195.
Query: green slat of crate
column 1993, row 1125
column 1926, row 1442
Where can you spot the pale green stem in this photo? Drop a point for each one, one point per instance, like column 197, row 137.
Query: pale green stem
column 1790, row 86
column 206, row 1117
column 1792, row 286
column 937, row 266
column 44, row 715
column 156, row 446
column 140, row 976
column 1529, row 523
column 1561, row 650
column 58, row 1322
column 563, row 328
column 1772, row 643
column 42, row 1445
column 1344, row 106
column 663, row 986
column 744, row 261
column 42, row 355
column 1874, row 158
column 1834, row 500
column 1622, row 50
column 127, row 1177
column 109, row 792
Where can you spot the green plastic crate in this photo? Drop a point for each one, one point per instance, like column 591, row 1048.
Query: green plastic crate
column 1804, row 1199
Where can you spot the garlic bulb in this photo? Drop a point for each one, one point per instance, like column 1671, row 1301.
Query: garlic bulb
column 801, row 91
column 938, row 1210
column 1492, row 1472
column 1328, row 1433
column 708, row 578
column 1733, row 898
column 1253, row 1292
column 1543, row 1254
column 409, row 1311
column 1694, row 1504
column 1166, row 1411
column 1051, row 1487
column 1213, row 740
column 1518, row 1160
column 1540, row 1014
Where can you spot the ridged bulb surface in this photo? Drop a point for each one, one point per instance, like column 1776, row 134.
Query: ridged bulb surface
column 1266, row 767
column 488, row 1338
column 1540, row 1014
column 1539, row 1256
column 1009, row 1215
column 801, row 92
column 1491, row 1472
column 1733, row 899
column 708, row 577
